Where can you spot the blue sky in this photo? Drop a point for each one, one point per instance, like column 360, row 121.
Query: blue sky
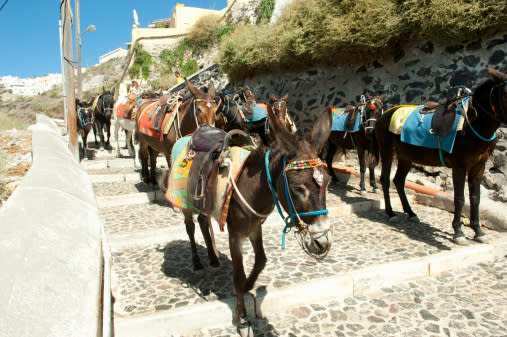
column 30, row 39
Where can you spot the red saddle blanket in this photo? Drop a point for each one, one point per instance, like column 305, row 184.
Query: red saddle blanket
column 120, row 110
column 147, row 118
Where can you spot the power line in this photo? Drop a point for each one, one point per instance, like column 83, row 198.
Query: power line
column 5, row 3
column 41, row 3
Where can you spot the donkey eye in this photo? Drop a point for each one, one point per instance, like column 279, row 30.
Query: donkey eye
column 301, row 190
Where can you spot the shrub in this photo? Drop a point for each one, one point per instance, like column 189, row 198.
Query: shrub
column 266, row 8
column 316, row 32
column 204, row 31
column 142, row 63
column 190, row 67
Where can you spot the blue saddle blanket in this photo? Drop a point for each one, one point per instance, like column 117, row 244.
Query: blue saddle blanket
column 339, row 118
column 259, row 113
column 417, row 126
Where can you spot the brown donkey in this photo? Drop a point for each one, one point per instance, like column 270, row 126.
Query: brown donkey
column 485, row 112
column 288, row 173
column 199, row 108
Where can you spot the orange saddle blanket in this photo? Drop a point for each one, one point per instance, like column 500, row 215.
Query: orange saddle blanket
column 147, row 118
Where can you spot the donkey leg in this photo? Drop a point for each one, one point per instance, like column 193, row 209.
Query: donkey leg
column 399, row 181
column 130, row 146
column 475, row 197
column 209, row 238
column 362, row 169
column 143, row 157
column 386, row 160
column 190, row 227
column 115, row 133
column 238, row 275
column 458, row 180
column 260, row 257
column 373, row 183
column 108, row 129
column 331, row 151
column 153, row 165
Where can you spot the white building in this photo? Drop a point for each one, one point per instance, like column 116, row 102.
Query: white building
column 30, row 86
column 118, row 52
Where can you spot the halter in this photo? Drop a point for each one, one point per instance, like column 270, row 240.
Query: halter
column 226, row 113
column 493, row 136
column 373, row 121
column 200, row 100
column 293, row 219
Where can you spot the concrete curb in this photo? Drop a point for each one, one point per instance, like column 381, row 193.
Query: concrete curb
column 51, row 247
column 361, row 282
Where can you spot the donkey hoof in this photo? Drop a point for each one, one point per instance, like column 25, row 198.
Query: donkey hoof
column 363, row 192
column 376, row 190
column 244, row 328
column 481, row 239
column 460, row 240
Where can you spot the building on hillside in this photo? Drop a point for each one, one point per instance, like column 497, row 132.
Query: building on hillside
column 118, row 52
column 182, row 19
column 30, row 86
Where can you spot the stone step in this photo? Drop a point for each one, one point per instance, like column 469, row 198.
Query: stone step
column 157, row 293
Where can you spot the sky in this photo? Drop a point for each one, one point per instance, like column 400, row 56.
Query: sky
column 30, row 40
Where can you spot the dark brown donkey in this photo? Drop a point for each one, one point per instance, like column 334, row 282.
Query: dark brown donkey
column 199, row 108
column 472, row 147
column 362, row 140
column 291, row 165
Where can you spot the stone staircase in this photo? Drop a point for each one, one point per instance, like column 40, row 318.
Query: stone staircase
column 156, row 292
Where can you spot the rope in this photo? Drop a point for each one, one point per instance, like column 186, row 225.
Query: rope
column 228, row 162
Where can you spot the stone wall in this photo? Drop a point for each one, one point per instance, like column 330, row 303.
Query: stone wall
column 417, row 72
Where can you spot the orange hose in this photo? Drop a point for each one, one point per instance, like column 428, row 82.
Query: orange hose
column 414, row 186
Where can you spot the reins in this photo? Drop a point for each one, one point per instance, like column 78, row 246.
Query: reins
column 294, row 218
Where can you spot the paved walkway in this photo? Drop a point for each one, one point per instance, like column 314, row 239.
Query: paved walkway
column 381, row 278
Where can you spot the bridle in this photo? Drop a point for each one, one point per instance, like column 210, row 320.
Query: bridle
column 371, row 105
column 294, row 217
column 208, row 102
column 496, row 113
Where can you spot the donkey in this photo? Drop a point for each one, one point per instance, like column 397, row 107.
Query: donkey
column 198, row 108
column 289, row 173
column 485, row 112
column 361, row 139
column 103, row 109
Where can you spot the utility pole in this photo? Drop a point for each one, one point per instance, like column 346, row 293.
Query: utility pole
column 78, row 49
column 68, row 76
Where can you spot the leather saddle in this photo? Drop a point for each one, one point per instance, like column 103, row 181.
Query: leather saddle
column 443, row 119
column 208, row 147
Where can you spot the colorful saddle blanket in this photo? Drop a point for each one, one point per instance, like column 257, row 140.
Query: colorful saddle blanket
column 340, row 118
column 415, row 128
column 177, row 192
column 259, row 112
column 147, row 119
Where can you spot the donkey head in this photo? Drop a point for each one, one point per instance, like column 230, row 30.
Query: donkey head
column 205, row 106
column 303, row 188
column 372, row 112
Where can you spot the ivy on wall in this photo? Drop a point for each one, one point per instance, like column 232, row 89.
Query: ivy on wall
column 142, row 62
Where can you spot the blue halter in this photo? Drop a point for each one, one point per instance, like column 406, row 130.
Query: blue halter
column 289, row 223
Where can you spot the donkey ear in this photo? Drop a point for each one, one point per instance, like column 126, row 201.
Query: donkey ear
column 286, row 97
column 195, row 92
column 321, row 130
column 211, row 89
column 281, row 135
column 273, row 98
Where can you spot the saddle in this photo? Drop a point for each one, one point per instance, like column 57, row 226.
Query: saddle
column 444, row 115
column 166, row 104
column 208, row 148
column 129, row 106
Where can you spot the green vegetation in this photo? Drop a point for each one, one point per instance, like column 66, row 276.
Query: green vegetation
column 142, row 63
column 203, row 32
column 266, row 8
column 320, row 32
column 180, row 59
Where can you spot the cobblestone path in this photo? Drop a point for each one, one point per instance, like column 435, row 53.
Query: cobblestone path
column 381, row 278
